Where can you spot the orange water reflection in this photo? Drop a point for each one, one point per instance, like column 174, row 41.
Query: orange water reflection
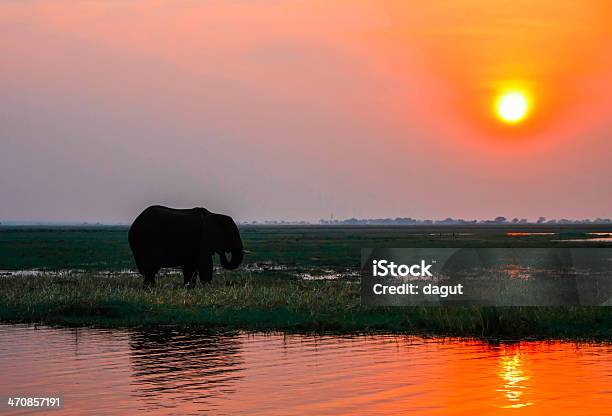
column 515, row 379
column 179, row 372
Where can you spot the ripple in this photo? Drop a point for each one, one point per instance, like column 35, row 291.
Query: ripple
column 170, row 371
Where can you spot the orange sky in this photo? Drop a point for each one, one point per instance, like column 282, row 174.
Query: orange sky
column 299, row 109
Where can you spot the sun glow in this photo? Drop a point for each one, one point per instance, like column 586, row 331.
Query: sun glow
column 512, row 107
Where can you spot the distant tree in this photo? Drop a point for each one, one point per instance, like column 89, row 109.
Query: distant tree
column 541, row 220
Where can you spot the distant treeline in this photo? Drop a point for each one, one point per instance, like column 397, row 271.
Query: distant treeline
column 447, row 221
column 351, row 221
column 461, row 221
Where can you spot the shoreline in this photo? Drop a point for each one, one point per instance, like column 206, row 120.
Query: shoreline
column 239, row 302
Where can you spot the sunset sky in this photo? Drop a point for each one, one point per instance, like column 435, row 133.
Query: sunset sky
column 298, row 109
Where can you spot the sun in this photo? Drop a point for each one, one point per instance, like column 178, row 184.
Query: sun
column 512, row 107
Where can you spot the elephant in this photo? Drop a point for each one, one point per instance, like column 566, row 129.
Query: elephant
column 167, row 237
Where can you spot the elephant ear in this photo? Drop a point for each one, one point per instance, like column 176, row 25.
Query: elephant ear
column 212, row 233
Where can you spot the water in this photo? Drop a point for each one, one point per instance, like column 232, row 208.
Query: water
column 127, row 372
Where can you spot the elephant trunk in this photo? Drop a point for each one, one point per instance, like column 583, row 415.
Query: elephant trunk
column 237, row 256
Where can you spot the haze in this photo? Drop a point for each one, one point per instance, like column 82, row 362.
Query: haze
column 300, row 109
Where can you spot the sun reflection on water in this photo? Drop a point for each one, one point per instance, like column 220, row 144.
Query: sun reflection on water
column 514, row 379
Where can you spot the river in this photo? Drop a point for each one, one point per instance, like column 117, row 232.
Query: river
column 169, row 371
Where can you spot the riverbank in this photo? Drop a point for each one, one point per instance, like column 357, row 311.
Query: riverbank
column 246, row 303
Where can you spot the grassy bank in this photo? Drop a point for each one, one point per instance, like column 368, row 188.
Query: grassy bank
column 242, row 302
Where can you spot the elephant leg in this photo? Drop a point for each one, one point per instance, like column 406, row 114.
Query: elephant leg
column 205, row 269
column 149, row 278
column 189, row 276
column 147, row 268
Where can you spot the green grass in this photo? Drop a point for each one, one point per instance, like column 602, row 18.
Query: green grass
column 106, row 247
column 272, row 300
column 240, row 301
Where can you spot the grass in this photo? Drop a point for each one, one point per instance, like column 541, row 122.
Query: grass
column 106, row 248
column 240, row 301
column 271, row 300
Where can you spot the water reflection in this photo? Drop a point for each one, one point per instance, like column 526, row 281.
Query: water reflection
column 171, row 366
column 189, row 372
column 514, row 377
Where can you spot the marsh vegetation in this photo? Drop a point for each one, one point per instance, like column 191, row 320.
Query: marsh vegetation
column 277, row 290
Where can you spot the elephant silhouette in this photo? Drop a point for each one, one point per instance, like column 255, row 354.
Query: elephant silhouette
column 166, row 237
